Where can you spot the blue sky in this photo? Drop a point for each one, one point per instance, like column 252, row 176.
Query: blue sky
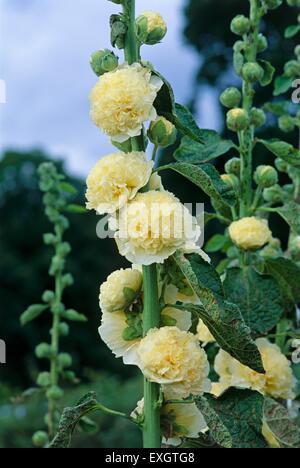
column 45, row 49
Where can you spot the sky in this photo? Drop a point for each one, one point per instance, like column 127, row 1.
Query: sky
column 44, row 61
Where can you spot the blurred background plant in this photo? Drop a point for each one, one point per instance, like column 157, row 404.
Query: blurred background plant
column 24, row 260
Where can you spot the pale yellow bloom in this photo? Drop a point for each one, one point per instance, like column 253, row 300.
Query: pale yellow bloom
column 154, row 21
column 278, row 381
column 122, row 101
column 113, row 326
column 112, row 296
column 116, row 179
column 250, row 233
column 153, row 226
column 204, row 334
column 174, row 359
column 178, row 421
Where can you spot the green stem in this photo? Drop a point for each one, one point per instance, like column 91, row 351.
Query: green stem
column 151, row 314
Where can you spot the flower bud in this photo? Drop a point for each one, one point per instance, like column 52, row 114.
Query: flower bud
column 292, row 69
column 231, row 181
column 281, row 165
column 55, row 393
column 103, row 61
column 43, row 379
column 288, row 190
column 162, row 132
column 40, row 439
column 273, row 194
column 238, row 120
column 231, row 97
column 240, row 25
column 252, row 72
column 294, row 245
column 286, row 123
column 239, row 46
column 67, row 280
column 43, row 351
column 233, row 166
column 58, row 309
column 150, row 28
column 257, row 117
column 250, row 233
column 50, row 239
column 262, row 43
column 64, row 249
column 272, row 4
column 63, row 329
column 65, row 360
column 48, row 296
column 266, row 176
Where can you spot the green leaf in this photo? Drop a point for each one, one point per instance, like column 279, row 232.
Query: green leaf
column 291, row 214
column 130, row 295
column 184, row 121
column 224, row 320
column 241, row 413
column 277, row 108
column 216, row 243
column 257, row 296
column 196, row 153
column 165, row 101
column 132, row 333
column 282, row 85
column 287, row 274
column 269, row 71
column 284, row 429
column 70, row 419
column 77, row 209
column 32, row 313
column 208, row 179
column 218, row 431
column 292, row 31
column 74, row 316
column 88, row 426
column 69, row 188
column 283, row 150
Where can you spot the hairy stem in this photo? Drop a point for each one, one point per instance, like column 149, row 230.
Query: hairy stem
column 151, row 314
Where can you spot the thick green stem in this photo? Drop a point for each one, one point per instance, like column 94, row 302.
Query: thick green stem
column 151, row 314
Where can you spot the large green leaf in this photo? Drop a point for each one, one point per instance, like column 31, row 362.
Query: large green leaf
column 195, row 153
column 224, row 320
column 218, row 431
column 282, row 85
column 184, row 120
column 216, row 243
column 283, row 428
column 291, row 214
column 241, row 412
column 207, row 178
column 258, row 297
column 287, row 274
column 70, row 419
column 283, row 150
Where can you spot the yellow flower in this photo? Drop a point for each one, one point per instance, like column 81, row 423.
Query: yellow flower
column 154, row 21
column 269, row 436
column 178, row 421
column 153, row 226
column 112, row 297
column 204, row 334
column 174, row 359
column 113, row 326
column 278, row 381
column 250, row 233
column 122, row 101
column 115, row 179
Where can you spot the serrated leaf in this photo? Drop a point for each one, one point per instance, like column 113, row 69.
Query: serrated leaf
column 216, row 243
column 208, row 179
column 257, row 296
column 219, row 432
column 291, row 31
column 76, row 209
column 287, row 274
column 269, row 71
column 32, row 313
column 224, row 320
column 241, row 412
column 282, row 85
column 70, row 419
column 283, row 150
column 68, row 188
column 291, row 214
column 184, row 121
column 196, row 153
column 283, row 428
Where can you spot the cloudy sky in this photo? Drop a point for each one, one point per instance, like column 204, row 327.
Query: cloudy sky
column 45, row 49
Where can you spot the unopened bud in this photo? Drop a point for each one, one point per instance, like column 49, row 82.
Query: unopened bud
column 286, row 123
column 233, row 166
column 150, row 28
column 55, row 393
column 238, row 120
column 252, row 72
column 231, row 97
column 292, row 69
column 281, row 165
column 103, row 61
column 266, row 176
column 40, row 439
column 273, row 194
column 240, row 25
column 258, row 117
column 262, row 43
column 162, row 132
column 231, row 181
